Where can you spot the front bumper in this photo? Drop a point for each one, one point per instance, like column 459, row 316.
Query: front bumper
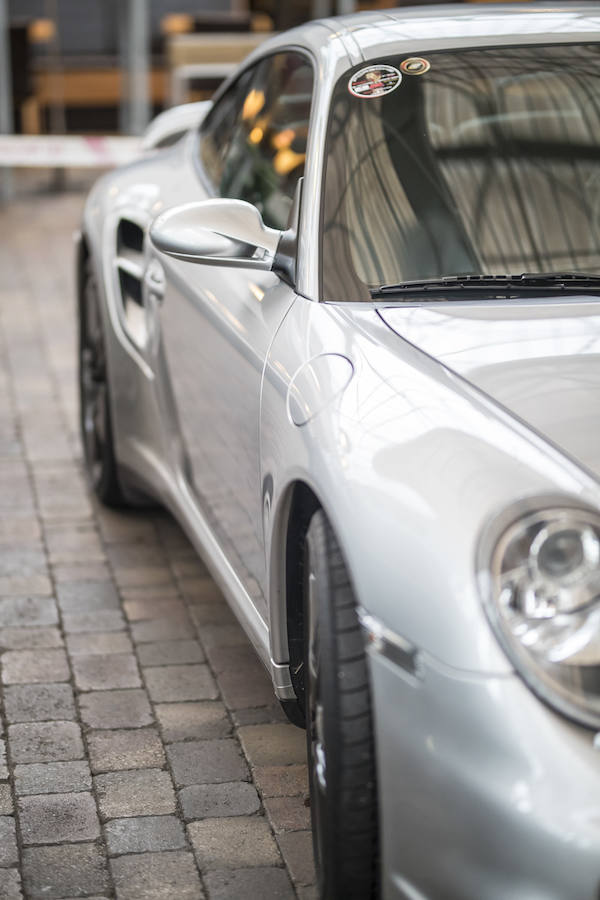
column 485, row 793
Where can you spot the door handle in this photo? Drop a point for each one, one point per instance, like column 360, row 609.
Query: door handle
column 154, row 280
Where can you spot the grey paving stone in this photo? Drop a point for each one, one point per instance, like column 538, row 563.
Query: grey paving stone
column 116, row 709
column 235, row 843
column 39, row 702
column 272, row 745
column 169, row 628
column 202, row 801
column 203, row 590
column 143, row 576
column 156, row 876
column 205, row 614
column 71, row 870
column 22, row 560
column 87, row 596
column 242, row 677
column 81, row 571
column 259, row 715
column 56, row 818
column 153, row 607
column 206, row 762
column 182, row 721
column 147, row 834
column 137, row 554
column 262, row 883
column 53, row 778
column 19, row 528
column 172, row 683
column 98, row 673
column 168, row 653
column 87, row 622
column 297, row 850
column 69, row 542
column 45, row 742
column 10, row 884
column 287, row 813
column 34, row 666
column 188, row 565
column 26, row 584
column 231, row 635
column 9, row 855
column 6, row 802
column 281, row 781
column 307, row 892
column 125, row 526
column 100, row 642
column 115, row 750
column 138, row 792
column 15, row 638
column 26, row 611
column 151, row 592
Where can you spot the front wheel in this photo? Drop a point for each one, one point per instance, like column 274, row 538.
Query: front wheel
column 341, row 756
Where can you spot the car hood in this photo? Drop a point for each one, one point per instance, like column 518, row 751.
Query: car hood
column 539, row 359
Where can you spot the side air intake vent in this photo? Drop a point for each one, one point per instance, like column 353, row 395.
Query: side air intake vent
column 130, row 272
column 130, row 238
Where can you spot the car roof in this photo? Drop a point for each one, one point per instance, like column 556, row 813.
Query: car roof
column 366, row 35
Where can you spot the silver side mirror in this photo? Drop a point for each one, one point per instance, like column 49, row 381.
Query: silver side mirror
column 219, row 232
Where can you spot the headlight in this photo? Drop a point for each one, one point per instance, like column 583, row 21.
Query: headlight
column 543, row 599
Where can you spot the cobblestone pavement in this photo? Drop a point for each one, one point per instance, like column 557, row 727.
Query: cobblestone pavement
column 143, row 752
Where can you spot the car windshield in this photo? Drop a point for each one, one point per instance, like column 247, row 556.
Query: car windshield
column 476, row 162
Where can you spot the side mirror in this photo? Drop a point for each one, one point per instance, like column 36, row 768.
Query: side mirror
column 218, row 232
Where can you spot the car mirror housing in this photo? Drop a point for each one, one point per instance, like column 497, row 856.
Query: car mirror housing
column 219, row 232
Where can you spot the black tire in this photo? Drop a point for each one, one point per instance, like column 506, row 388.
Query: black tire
column 94, row 398
column 341, row 755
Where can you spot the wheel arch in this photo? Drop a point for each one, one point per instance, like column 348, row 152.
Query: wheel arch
column 296, row 506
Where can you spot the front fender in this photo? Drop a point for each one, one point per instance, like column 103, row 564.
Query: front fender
column 410, row 463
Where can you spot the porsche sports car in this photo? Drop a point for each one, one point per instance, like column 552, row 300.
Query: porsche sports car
column 347, row 328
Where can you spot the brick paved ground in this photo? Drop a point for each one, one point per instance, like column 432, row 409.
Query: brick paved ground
column 143, row 754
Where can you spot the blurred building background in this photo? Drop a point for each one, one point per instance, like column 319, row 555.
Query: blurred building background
column 107, row 66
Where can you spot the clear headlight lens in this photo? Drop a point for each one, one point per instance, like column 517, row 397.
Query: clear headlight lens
column 544, row 604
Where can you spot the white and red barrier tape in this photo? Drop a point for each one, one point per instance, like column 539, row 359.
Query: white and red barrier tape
column 57, row 151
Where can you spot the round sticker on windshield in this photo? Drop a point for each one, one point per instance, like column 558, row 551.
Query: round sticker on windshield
column 374, row 81
column 415, row 65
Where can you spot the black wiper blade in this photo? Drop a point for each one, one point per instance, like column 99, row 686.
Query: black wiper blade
column 527, row 281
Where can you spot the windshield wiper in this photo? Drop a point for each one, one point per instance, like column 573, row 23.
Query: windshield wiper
column 530, row 282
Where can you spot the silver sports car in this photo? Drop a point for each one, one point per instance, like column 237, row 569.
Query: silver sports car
column 347, row 328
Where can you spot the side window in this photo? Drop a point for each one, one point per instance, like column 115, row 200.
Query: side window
column 254, row 144
column 219, row 128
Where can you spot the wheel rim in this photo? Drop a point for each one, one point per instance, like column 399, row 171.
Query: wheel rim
column 315, row 725
column 93, row 388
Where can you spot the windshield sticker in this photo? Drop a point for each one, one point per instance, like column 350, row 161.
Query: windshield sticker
column 374, row 81
column 415, row 65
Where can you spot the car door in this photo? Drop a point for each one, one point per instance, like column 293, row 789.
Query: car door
column 217, row 323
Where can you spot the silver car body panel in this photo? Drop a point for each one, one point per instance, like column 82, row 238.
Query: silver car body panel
column 524, row 798
column 414, row 426
column 540, row 360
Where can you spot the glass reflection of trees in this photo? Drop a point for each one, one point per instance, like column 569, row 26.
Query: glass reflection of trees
column 489, row 163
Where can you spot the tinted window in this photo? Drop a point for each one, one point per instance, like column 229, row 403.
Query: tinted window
column 487, row 163
column 253, row 144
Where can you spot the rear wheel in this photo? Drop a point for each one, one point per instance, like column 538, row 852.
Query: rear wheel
column 340, row 743
column 94, row 399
